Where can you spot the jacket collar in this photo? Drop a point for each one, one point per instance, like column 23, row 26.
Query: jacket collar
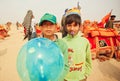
column 55, row 37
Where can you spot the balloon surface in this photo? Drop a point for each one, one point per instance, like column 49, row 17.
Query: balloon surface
column 40, row 59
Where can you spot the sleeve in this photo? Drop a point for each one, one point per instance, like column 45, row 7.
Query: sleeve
column 88, row 63
column 65, row 52
column 64, row 49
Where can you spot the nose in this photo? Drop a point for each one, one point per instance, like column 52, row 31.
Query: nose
column 72, row 27
column 48, row 26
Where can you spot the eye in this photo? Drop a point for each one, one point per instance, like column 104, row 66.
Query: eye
column 69, row 25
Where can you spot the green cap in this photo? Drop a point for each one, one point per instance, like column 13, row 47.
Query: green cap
column 48, row 17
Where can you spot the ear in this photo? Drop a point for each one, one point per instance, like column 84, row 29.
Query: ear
column 56, row 27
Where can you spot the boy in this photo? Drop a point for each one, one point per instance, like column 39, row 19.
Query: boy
column 48, row 27
column 79, row 55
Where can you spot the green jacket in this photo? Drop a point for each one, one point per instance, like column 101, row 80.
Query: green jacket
column 62, row 45
column 64, row 49
column 79, row 57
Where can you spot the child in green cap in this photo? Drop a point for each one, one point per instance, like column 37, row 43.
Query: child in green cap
column 48, row 27
column 79, row 55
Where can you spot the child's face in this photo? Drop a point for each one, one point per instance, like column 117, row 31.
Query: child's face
column 48, row 28
column 73, row 28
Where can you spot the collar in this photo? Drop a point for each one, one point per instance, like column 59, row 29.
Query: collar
column 54, row 39
column 69, row 37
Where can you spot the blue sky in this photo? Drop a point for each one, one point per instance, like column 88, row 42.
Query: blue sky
column 15, row 10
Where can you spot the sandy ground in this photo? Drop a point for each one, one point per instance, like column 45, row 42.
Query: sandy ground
column 9, row 48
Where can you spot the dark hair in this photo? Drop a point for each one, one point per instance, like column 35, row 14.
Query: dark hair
column 40, row 24
column 73, row 18
column 113, row 16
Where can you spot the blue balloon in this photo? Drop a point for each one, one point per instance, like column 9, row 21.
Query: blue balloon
column 40, row 59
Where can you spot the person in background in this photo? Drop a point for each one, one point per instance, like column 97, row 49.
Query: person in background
column 33, row 23
column 27, row 24
column 17, row 25
column 79, row 54
column 109, row 24
column 48, row 24
column 64, row 33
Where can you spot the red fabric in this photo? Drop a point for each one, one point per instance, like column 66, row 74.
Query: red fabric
column 101, row 25
column 104, row 32
column 104, row 20
column 38, row 31
column 24, row 30
column 118, row 38
column 106, row 39
column 92, row 42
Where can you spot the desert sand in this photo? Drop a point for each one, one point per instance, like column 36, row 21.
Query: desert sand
column 9, row 47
